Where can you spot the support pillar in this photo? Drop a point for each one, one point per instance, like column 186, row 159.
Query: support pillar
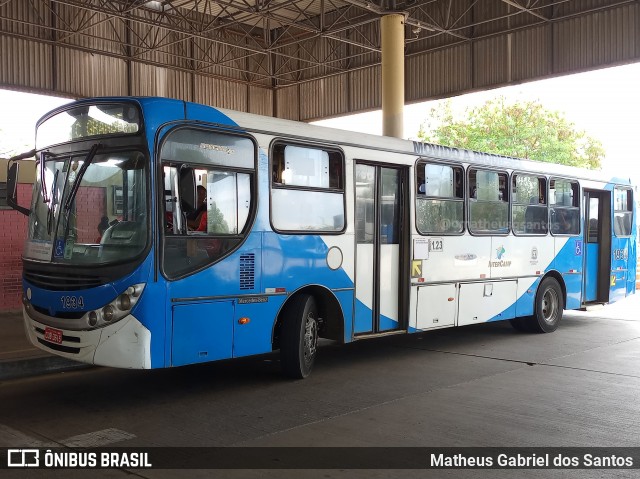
column 392, row 74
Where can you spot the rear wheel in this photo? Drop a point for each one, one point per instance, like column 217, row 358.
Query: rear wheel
column 299, row 337
column 548, row 308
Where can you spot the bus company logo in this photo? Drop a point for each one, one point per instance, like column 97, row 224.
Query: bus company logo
column 253, row 300
column 500, row 263
column 465, row 260
column 465, row 257
column 220, row 148
column 23, row 458
column 534, row 256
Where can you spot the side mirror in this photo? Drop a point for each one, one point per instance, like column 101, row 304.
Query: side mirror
column 12, row 187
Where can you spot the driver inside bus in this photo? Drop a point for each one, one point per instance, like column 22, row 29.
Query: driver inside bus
column 194, row 218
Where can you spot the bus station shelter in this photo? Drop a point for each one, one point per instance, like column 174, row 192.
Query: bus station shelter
column 295, row 59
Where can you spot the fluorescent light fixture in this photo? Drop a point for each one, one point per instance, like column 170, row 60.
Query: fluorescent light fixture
column 155, row 5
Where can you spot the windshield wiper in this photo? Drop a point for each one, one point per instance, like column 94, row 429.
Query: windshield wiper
column 43, row 168
column 54, row 202
column 76, row 184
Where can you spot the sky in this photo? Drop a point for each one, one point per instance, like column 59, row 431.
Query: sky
column 18, row 116
column 605, row 103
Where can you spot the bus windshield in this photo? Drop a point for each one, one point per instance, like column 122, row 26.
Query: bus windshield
column 89, row 215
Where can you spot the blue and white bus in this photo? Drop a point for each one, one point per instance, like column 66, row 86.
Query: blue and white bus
column 164, row 233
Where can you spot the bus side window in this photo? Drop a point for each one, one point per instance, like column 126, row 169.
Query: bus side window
column 564, row 202
column 488, row 202
column 277, row 169
column 420, row 181
column 439, row 198
column 209, row 177
column 529, row 208
column 312, row 179
column 473, row 190
column 458, row 174
column 335, row 172
column 187, row 189
column 623, row 211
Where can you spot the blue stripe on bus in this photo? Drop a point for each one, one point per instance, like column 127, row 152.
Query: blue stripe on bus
column 292, row 261
column 525, row 303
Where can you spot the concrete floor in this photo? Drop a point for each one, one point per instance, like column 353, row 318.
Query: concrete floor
column 483, row 385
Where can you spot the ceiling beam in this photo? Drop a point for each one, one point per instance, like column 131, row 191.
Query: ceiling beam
column 522, row 8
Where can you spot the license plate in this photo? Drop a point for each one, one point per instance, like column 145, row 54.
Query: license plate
column 53, row 335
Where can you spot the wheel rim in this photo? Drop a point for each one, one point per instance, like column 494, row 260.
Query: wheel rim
column 310, row 338
column 549, row 306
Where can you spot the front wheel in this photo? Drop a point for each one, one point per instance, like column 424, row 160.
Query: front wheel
column 548, row 308
column 299, row 337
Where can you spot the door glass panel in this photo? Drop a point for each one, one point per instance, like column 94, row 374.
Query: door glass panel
column 389, row 224
column 365, row 206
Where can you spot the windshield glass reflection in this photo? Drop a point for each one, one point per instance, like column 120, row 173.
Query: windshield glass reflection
column 105, row 221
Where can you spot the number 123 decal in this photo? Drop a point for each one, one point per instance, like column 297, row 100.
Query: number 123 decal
column 435, row 244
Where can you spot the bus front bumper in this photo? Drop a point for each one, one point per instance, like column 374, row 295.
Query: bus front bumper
column 123, row 344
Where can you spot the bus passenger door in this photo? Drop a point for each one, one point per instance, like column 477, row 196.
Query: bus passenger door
column 597, row 240
column 380, row 248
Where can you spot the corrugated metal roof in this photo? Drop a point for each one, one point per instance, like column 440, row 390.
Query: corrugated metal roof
column 302, row 59
column 439, row 73
column 81, row 73
column 26, row 64
column 530, row 53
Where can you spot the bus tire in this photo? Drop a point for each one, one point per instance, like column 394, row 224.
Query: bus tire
column 548, row 308
column 299, row 337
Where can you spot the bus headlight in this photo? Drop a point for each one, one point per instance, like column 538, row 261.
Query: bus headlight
column 116, row 309
column 107, row 313
column 124, row 302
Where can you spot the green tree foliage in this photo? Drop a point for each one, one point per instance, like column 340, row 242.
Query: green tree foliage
column 522, row 130
column 216, row 222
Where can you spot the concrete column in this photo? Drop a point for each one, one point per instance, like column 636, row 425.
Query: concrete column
column 392, row 74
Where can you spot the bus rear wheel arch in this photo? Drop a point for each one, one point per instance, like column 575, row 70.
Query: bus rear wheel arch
column 329, row 316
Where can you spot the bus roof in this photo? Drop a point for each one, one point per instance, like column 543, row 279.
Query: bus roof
column 300, row 130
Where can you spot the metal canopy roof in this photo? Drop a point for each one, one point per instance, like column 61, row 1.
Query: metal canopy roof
column 274, row 45
column 279, row 42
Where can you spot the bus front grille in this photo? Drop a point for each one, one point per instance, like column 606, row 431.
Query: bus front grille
column 59, row 347
column 60, row 281
column 59, row 314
